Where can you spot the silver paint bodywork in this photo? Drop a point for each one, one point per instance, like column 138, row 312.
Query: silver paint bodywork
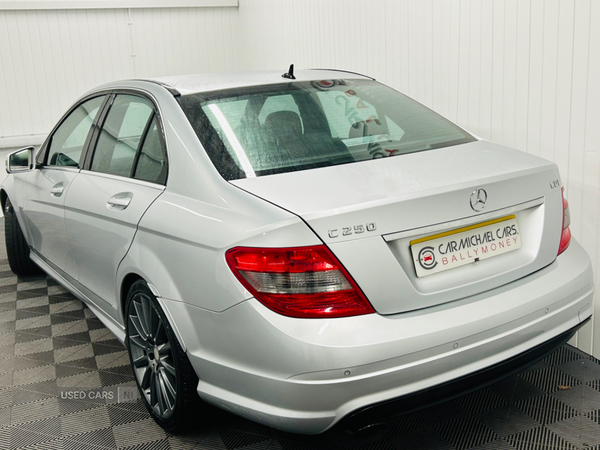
column 304, row 375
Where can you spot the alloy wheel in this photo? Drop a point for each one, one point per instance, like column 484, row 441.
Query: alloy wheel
column 152, row 355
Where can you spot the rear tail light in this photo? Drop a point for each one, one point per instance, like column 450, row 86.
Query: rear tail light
column 565, row 237
column 298, row 282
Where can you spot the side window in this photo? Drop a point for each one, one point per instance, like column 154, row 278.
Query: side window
column 69, row 138
column 121, row 134
column 152, row 162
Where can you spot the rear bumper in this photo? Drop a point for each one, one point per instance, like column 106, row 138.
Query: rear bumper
column 305, row 375
column 459, row 387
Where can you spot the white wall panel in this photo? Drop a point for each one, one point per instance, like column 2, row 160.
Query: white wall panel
column 185, row 40
column 525, row 73
column 51, row 57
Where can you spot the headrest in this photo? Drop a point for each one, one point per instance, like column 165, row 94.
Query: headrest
column 284, row 122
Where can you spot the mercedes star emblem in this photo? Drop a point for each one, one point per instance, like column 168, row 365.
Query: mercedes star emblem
column 478, row 199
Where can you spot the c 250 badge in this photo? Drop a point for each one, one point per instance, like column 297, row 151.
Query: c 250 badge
column 348, row 231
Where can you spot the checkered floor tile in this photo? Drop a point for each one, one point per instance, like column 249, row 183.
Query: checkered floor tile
column 65, row 383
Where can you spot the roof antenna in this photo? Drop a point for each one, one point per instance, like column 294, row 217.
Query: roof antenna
column 290, row 73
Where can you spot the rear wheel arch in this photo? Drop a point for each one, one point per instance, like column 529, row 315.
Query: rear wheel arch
column 128, row 281
column 126, row 284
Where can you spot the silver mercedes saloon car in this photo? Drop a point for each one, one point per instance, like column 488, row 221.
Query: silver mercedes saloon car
column 297, row 249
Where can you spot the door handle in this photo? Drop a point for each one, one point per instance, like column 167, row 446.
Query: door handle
column 57, row 190
column 118, row 202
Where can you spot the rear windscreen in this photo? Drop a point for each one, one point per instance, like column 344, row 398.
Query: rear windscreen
column 264, row 130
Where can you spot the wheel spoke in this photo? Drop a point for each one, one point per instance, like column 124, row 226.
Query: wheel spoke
column 135, row 322
column 146, row 314
column 137, row 341
column 140, row 319
column 167, row 392
column 145, row 378
column 168, row 367
column 164, row 349
column 140, row 361
column 152, row 388
column 162, row 407
column 159, row 328
column 170, row 389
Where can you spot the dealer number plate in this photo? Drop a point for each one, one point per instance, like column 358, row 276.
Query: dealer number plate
column 445, row 251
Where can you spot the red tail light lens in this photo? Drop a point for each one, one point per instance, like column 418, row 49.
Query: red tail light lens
column 298, row 282
column 565, row 237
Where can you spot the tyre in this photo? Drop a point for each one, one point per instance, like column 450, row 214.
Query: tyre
column 164, row 376
column 17, row 249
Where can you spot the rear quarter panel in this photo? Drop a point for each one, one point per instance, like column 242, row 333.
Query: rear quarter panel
column 181, row 243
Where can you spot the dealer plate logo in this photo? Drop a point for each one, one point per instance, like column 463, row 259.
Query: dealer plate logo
column 427, row 258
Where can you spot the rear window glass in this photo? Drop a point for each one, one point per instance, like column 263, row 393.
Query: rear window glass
column 264, row 130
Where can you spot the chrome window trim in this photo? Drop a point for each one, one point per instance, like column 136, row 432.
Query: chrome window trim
column 62, row 168
column 157, row 186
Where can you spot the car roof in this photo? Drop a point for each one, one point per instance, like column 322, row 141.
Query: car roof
column 189, row 84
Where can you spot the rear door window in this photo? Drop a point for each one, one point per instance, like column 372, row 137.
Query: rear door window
column 152, row 161
column 121, row 134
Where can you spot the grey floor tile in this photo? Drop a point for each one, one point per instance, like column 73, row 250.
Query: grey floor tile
column 34, row 375
column 546, row 409
column 212, row 440
column 7, row 338
column 515, row 388
column 7, row 326
column 50, row 426
column 24, row 438
column 466, row 432
column 550, row 379
column 539, row 438
column 583, row 369
column 23, row 395
column 499, row 444
column 33, row 334
column 41, row 409
column 446, row 411
column 563, row 355
column 420, row 440
column 85, row 421
column 507, row 420
column 579, row 431
column 581, row 398
column 100, row 437
column 481, row 400
column 140, row 432
column 32, row 347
